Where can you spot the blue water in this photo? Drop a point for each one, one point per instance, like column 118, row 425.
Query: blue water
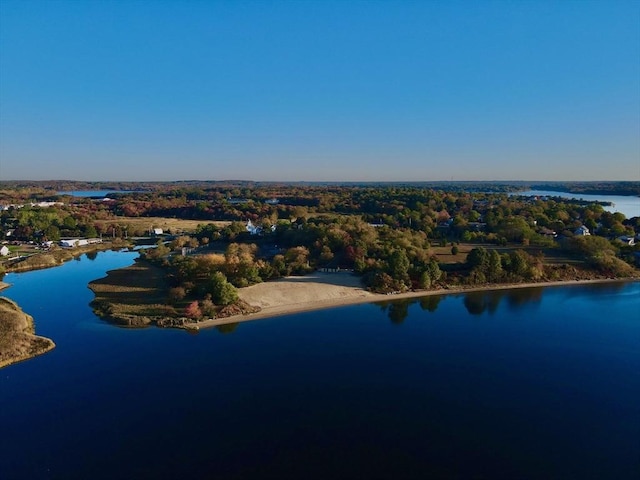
column 628, row 205
column 533, row 383
column 91, row 193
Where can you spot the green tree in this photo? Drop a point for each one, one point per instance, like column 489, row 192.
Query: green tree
column 222, row 292
column 52, row 233
column 494, row 266
column 399, row 266
column 478, row 258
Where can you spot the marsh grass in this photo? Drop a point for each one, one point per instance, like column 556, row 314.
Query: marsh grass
column 17, row 339
column 140, row 290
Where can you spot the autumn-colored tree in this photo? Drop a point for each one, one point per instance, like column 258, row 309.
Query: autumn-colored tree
column 193, row 311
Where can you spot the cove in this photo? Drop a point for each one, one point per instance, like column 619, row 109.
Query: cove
column 625, row 204
column 532, row 383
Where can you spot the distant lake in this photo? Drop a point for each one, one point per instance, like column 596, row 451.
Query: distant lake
column 534, row 383
column 92, row 193
column 625, row 204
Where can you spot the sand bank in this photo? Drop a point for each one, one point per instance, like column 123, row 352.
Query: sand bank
column 327, row 290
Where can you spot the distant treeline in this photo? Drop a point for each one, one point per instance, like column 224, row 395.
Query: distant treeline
column 594, row 187
column 591, row 188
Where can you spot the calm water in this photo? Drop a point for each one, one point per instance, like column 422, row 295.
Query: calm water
column 625, row 204
column 535, row 383
column 91, row 193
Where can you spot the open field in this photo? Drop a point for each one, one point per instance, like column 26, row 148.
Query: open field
column 551, row 256
column 173, row 225
column 444, row 255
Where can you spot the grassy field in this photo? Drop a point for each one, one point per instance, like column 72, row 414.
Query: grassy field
column 444, row 255
column 551, row 256
column 173, row 225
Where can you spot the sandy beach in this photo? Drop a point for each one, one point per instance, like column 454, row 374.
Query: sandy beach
column 327, row 290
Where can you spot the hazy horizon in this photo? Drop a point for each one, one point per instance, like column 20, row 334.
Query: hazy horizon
column 251, row 180
column 315, row 91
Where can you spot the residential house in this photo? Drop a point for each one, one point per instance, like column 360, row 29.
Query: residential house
column 627, row 240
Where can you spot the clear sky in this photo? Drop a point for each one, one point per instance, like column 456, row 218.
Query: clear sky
column 320, row 90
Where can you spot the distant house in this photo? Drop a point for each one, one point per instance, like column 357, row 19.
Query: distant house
column 157, row 231
column 78, row 242
column 547, row 232
column 627, row 240
column 477, row 226
column 255, row 230
column 4, row 251
column 252, row 229
column 69, row 242
column 582, row 231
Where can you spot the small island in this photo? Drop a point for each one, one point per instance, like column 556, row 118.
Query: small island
column 17, row 335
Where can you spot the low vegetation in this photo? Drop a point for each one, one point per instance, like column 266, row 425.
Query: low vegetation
column 17, row 335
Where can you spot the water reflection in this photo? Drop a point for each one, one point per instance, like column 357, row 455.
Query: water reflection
column 476, row 303
column 430, row 303
column 396, row 310
column 227, row 328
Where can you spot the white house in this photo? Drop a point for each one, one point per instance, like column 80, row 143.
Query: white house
column 74, row 242
column 252, row 229
column 157, row 231
column 627, row 240
column 4, row 251
column 70, row 242
column 582, row 231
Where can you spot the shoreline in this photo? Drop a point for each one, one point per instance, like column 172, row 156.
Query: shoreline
column 55, row 258
column 18, row 341
column 365, row 297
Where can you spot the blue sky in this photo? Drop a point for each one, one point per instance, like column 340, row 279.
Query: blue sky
column 320, row 90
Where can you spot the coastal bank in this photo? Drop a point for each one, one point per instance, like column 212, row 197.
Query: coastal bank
column 136, row 296
column 18, row 340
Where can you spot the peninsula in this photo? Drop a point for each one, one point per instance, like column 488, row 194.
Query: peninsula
column 218, row 252
column 17, row 335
